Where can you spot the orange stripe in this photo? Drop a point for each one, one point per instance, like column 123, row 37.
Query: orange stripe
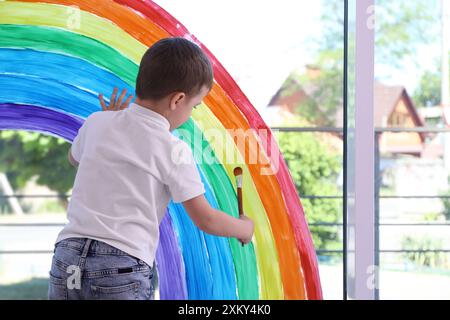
column 140, row 28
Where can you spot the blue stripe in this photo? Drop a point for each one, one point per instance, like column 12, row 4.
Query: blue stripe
column 60, row 68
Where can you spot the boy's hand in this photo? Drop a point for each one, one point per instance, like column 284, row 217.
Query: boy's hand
column 114, row 104
column 249, row 229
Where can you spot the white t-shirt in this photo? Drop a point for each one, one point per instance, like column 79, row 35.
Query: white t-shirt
column 130, row 165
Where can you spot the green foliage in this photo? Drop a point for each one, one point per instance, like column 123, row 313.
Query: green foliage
column 325, row 90
column 446, row 204
column 28, row 154
column 445, row 200
column 424, row 259
column 315, row 170
column 403, row 25
column 332, row 21
column 432, row 216
column 400, row 26
column 428, row 92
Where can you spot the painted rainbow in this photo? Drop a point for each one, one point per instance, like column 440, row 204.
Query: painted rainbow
column 51, row 69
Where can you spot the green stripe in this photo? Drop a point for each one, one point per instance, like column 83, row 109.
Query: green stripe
column 68, row 43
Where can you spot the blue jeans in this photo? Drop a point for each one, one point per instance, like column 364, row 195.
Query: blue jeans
column 83, row 268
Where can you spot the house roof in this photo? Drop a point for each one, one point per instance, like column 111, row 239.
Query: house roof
column 386, row 99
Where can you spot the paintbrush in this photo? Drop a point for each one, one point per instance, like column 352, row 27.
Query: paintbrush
column 238, row 175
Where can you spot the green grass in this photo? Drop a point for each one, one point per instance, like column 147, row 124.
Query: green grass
column 34, row 289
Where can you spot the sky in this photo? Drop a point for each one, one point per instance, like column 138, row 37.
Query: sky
column 261, row 41
column 411, row 70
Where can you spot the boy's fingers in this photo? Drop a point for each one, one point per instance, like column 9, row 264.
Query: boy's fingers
column 102, row 102
column 127, row 102
column 119, row 101
column 112, row 101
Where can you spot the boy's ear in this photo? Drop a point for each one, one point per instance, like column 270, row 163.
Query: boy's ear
column 177, row 97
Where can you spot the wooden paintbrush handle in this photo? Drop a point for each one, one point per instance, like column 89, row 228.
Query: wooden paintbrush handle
column 239, row 196
column 241, row 211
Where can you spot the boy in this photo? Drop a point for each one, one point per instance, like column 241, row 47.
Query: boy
column 127, row 172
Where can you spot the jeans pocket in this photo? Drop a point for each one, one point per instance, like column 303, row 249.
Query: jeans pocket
column 148, row 281
column 57, row 288
column 127, row 291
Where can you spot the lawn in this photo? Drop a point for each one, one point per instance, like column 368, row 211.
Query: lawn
column 34, row 289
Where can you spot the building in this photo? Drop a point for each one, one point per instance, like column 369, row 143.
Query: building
column 395, row 109
column 393, row 106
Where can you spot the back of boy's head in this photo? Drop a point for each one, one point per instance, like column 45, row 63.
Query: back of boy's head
column 173, row 65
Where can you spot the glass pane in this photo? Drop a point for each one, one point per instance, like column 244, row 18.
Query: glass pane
column 349, row 164
column 410, row 93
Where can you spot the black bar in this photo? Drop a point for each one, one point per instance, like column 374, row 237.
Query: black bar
column 413, row 130
column 415, row 251
column 383, row 197
column 377, row 213
column 33, row 196
column 26, row 251
column 318, row 252
column 308, row 129
column 314, row 224
column 32, row 224
column 377, row 130
column 416, row 197
column 417, row 224
column 321, row 197
column 344, row 169
column 301, row 197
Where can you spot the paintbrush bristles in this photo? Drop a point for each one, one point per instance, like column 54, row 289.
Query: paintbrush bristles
column 237, row 171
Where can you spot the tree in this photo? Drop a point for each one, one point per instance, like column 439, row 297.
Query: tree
column 400, row 27
column 324, row 94
column 428, row 92
column 28, row 154
column 314, row 169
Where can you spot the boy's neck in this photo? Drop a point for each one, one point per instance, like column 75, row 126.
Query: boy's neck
column 154, row 106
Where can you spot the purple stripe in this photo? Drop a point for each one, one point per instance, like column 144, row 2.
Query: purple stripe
column 35, row 118
column 172, row 282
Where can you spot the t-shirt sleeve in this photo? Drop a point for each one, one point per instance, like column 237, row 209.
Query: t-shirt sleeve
column 78, row 142
column 183, row 180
